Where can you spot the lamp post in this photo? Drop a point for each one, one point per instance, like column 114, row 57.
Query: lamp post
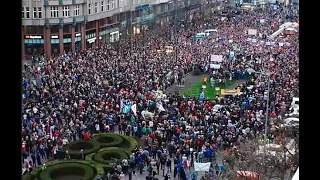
column 267, row 115
column 175, row 30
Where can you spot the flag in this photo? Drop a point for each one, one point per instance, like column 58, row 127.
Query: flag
column 51, row 135
column 121, row 103
column 134, row 109
column 202, row 96
column 126, row 108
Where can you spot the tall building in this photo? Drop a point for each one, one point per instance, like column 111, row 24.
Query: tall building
column 55, row 26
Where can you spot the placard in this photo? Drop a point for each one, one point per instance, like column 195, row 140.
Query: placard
column 215, row 66
column 252, row 32
column 216, row 58
column 254, row 40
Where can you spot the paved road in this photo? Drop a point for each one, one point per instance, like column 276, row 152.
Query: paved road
column 190, row 80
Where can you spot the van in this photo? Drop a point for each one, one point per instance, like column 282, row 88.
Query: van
column 210, row 31
column 200, row 36
column 295, row 102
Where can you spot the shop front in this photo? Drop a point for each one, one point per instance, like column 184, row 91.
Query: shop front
column 114, row 36
column 67, row 42
column 55, row 44
column 91, row 38
column 110, row 35
column 77, row 41
column 34, row 44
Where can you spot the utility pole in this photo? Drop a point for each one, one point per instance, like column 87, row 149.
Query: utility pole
column 131, row 29
column 175, row 30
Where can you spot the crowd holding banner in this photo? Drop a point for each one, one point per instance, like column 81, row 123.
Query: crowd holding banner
column 107, row 90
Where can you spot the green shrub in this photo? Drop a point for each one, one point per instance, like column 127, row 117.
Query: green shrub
column 129, row 143
column 88, row 146
column 106, row 167
column 105, row 156
column 68, row 168
column 72, row 166
column 109, row 140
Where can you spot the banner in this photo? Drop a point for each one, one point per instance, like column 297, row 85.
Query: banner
column 230, row 92
column 215, row 66
column 252, row 32
column 202, row 166
column 216, row 58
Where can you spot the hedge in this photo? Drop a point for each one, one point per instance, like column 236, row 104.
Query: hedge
column 106, row 167
column 130, row 142
column 104, row 157
column 109, row 140
column 92, row 170
column 88, row 146
column 68, row 168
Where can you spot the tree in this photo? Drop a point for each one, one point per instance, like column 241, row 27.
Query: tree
column 279, row 162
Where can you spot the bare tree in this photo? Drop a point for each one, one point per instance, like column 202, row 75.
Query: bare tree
column 280, row 160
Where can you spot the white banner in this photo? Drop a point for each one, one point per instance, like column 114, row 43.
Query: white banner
column 134, row 109
column 202, row 166
column 215, row 66
column 252, row 32
column 216, row 58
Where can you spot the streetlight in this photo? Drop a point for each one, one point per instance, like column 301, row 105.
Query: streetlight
column 267, row 112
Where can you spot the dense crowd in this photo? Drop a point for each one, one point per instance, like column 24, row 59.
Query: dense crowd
column 88, row 92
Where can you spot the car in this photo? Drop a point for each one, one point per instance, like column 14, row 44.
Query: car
column 291, row 122
column 216, row 108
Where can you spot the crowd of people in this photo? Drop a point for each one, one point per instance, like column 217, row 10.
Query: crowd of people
column 104, row 89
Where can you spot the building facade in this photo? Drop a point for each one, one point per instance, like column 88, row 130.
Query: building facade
column 57, row 26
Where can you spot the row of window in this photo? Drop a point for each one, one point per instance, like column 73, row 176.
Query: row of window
column 53, row 41
column 54, row 11
column 37, row 12
column 111, row 4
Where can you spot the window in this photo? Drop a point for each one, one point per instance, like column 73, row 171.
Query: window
column 66, row 11
column 89, row 9
column 112, row 4
column 22, row 12
column 27, row 12
column 102, row 6
column 76, row 10
column 108, row 5
column 96, row 7
column 35, row 12
column 39, row 12
column 54, row 11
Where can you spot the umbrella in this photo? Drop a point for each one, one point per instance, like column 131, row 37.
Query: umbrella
column 250, row 70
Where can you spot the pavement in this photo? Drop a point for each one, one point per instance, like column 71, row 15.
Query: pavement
column 190, row 80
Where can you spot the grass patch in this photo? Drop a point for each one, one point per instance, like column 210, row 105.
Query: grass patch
column 209, row 91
